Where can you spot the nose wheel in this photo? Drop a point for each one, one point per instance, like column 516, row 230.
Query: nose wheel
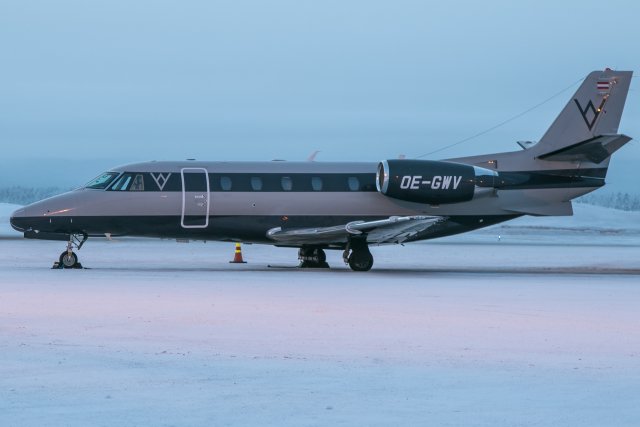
column 68, row 258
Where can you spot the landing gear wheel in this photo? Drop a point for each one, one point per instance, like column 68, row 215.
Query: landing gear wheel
column 361, row 260
column 312, row 258
column 320, row 256
column 68, row 260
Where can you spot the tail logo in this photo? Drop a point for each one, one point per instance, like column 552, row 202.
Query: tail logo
column 590, row 110
column 585, row 112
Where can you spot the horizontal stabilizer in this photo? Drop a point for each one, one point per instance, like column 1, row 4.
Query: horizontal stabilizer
column 595, row 150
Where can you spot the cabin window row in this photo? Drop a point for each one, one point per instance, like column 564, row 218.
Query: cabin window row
column 145, row 181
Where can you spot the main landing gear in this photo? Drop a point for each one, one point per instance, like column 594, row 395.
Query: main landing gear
column 68, row 258
column 357, row 255
column 312, row 258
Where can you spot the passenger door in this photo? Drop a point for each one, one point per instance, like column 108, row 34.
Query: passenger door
column 195, row 198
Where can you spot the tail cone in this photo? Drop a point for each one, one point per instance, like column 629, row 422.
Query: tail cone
column 237, row 257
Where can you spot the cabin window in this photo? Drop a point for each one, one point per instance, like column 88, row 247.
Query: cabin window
column 286, row 183
column 122, row 184
column 316, row 183
column 138, row 183
column 354, row 183
column 102, row 181
column 256, row 183
column 225, row 183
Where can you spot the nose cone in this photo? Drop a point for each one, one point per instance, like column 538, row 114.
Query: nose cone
column 48, row 215
column 18, row 219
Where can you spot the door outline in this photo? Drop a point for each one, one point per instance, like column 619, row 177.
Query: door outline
column 207, row 197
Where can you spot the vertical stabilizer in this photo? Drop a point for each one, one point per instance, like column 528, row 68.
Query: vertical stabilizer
column 594, row 110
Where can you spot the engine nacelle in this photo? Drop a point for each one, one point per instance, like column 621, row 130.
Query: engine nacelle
column 433, row 182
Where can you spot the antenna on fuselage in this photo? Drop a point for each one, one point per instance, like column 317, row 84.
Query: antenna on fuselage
column 312, row 157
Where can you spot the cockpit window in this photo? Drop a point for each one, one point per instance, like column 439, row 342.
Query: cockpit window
column 102, row 181
column 129, row 182
column 138, row 183
column 122, row 184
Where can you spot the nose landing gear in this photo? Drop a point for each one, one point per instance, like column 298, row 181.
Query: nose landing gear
column 68, row 258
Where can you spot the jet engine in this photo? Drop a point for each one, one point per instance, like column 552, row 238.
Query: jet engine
column 433, row 182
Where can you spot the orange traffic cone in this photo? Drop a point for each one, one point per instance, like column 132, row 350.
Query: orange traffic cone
column 237, row 257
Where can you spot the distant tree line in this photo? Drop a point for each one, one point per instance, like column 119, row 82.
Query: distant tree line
column 621, row 201
column 19, row 195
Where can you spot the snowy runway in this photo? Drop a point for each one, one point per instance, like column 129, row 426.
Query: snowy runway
column 470, row 332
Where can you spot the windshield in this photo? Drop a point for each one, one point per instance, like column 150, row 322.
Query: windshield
column 102, row 181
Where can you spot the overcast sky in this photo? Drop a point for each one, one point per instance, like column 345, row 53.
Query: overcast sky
column 90, row 84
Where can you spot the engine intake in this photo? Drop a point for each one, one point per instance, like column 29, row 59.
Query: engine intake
column 433, row 182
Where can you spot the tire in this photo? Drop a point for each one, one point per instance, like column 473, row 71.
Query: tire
column 68, row 260
column 361, row 260
column 319, row 255
column 312, row 258
column 312, row 255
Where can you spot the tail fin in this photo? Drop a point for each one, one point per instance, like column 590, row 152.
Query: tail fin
column 593, row 111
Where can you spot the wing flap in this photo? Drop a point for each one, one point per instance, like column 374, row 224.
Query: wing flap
column 395, row 229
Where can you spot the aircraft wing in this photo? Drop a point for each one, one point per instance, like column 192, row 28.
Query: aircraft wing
column 395, row 229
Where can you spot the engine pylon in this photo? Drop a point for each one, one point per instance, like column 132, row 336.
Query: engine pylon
column 237, row 257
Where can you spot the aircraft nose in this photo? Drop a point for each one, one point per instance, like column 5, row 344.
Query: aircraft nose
column 17, row 220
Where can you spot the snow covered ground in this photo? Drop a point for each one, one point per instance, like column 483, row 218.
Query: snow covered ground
column 540, row 327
